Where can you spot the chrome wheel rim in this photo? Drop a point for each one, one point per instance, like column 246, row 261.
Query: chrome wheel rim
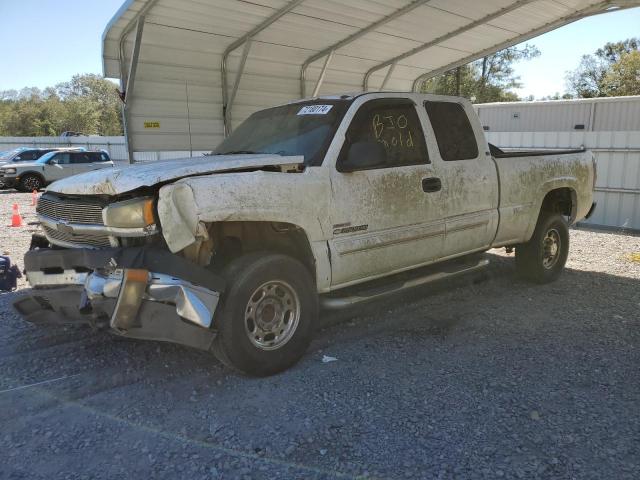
column 32, row 183
column 272, row 315
column 551, row 248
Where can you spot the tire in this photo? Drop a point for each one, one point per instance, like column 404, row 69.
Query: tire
column 30, row 182
column 542, row 258
column 268, row 314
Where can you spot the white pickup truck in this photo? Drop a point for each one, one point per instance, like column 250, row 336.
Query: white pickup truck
column 323, row 202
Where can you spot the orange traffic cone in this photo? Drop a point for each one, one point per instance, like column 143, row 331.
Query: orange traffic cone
column 16, row 219
column 34, row 198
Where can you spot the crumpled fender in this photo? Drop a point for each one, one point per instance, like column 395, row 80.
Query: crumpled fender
column 184, row 207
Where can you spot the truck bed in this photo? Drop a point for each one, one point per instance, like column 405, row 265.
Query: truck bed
column 497, row 152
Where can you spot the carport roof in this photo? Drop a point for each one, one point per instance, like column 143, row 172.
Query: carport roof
column 195, row 59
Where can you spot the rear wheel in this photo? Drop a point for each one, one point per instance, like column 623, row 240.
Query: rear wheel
column 542, row 258
column 268, row 314
column 30, row 182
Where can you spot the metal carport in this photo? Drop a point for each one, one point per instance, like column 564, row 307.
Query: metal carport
column 190, row 70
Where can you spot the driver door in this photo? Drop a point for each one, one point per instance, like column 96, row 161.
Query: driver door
column 59, row 166
column 385, row 217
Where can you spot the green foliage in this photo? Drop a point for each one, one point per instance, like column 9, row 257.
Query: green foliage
column 611, row 71
column 87, row 103
column 490, row 79
column 624, row 76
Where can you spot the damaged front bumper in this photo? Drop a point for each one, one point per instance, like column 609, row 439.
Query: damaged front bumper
column 136, row 292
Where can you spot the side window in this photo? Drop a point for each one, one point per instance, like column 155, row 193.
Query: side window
column 40, row 153
column 81, row 158
column 103, row 157
column 63, row 158
column 454, row 134
column 26, row 156
column 395, row 124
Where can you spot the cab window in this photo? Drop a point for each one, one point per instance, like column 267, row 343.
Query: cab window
column 454, row 134
column 395, row 124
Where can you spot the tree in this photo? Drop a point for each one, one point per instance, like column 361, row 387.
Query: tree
column 624, row 76
column 589, row 79
column 87, row 103
column 490, row 79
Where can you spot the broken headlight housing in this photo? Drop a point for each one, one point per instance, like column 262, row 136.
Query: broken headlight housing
column 134, row 213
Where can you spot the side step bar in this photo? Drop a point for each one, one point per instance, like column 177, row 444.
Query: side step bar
column 332, row 302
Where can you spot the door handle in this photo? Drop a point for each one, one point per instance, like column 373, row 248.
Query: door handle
column 432, row 184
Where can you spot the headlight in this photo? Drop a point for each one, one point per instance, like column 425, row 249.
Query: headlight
column 9, row 171
column 134, row 213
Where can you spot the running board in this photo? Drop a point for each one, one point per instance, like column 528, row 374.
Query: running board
column 392, row 288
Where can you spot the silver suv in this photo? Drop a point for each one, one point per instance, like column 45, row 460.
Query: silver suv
column 29, row 176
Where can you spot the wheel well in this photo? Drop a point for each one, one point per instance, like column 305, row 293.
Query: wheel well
column 37, row 174
column 233, row 239
column 561, row 200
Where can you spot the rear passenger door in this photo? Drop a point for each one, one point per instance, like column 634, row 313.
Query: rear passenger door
column 87, row 161
column 469, row 178
column 101, row 160
column 82, row 162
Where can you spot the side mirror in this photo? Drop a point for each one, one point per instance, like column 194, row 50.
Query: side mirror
column 53, row 161
column 363, row 156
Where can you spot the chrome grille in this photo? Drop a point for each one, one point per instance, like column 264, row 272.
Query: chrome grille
column 72, row 211
column 75, row 239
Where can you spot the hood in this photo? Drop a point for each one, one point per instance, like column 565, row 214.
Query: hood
column 114, row 181
column 28, row 164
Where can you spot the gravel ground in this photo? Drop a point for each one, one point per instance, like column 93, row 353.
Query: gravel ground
column 473, row 379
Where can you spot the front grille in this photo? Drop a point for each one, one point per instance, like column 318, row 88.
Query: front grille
column 70, row 210
column 97, row 241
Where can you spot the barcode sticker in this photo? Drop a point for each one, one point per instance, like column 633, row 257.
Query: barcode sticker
column 315, row 110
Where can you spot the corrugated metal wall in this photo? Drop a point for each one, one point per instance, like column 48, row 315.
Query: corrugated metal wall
column 116, row 147
column 600, row 114
column 611, row 131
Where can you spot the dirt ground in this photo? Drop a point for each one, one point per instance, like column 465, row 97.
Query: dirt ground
column 485, row 377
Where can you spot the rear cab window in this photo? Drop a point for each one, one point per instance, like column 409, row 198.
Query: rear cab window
column 395, row 124
column 454, row 134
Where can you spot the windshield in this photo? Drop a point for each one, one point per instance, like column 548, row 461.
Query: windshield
column 304, row 128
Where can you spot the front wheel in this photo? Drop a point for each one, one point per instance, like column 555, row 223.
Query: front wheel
column 542, row 258
column 268, row 314
column 30, row 182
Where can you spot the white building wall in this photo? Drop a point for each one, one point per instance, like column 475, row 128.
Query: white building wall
column 590, row 114
column 115, row 146
column 610, row 127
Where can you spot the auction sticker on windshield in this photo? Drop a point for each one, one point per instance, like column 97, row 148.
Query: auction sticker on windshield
column 315, row 110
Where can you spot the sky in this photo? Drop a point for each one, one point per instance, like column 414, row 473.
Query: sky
column 45, row 42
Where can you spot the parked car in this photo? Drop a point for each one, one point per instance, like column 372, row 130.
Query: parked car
column 72, row 134
column 57, row 164
column 26, row 154
column 77, row 134
column 331, row 201
column 23, row 154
